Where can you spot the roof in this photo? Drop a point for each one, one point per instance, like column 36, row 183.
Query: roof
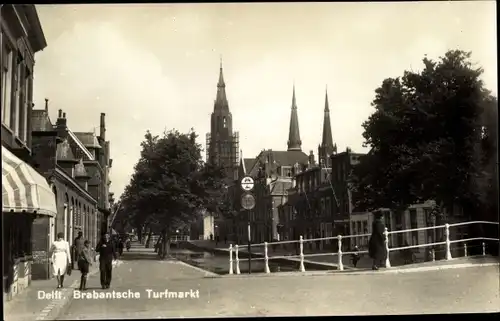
column 281, row 158
column 40, row 121
column 248, row 163
column 80, row 145
column 88, row 140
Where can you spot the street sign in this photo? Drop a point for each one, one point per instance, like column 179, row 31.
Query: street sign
column 248, row 201
column 247, row 183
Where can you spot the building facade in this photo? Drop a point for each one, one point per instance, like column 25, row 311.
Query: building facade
column 76, row 206
column 27, row 198
column 273, row 173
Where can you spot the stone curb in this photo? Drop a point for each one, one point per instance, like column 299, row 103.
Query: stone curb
column 382, row 271
column 52, row 310
column 208, row 274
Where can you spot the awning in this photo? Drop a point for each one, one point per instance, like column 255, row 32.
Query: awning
column 24, row 189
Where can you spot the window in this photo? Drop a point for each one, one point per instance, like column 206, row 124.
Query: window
column 16, row 109
column 6, row 93
column 224, row 122
column 23, row 104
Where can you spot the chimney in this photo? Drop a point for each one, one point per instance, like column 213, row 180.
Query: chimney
column 102, row 132
column 61, row 125
column 311, row 159
column 46, row 104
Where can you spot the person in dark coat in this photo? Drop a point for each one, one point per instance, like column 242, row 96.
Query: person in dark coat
column 84, row 263
column 107, row 253
column 120, row 246
column 78, row 246
column 376, row 246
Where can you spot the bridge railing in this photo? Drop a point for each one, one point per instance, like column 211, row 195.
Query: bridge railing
column 179, row 238
column 235, row 250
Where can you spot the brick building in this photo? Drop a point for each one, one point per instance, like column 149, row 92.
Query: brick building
column 27, row 198
column 76, row 206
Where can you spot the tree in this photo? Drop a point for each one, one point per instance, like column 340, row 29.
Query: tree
column 427, row 139
column 170, row 184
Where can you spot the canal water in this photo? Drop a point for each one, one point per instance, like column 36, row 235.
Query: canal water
column 219, row 263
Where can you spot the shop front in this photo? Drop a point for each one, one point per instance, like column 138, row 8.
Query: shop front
column 27, row 200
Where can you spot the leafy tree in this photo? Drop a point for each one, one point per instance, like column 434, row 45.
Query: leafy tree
column 170, row 184
column 430, row 138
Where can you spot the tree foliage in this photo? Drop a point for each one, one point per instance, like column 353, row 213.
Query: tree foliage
column 432, row 137
column 171, row 185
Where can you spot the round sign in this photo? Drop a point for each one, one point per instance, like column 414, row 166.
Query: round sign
column 247, row 183
column 248, row 201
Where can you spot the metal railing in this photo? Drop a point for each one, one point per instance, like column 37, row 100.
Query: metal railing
column 234, row 265
column 179, row 238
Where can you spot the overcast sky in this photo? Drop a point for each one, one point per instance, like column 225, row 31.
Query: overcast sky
column 156, row 66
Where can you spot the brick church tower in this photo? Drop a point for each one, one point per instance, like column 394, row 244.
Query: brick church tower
column 222, row 142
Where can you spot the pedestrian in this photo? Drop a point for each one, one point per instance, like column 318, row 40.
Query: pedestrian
column 376, row 246
column 120, row 246
column 84, row 263
column 211, row 237
column 107, row 253
column 61, row 258
column 355, row 256
column 78, row 246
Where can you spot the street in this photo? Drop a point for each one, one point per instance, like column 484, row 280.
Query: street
column 190, row 293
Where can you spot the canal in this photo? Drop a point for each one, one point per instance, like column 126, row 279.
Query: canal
column 219, row 263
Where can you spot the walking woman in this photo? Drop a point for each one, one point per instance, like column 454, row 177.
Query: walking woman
column 84, row 263
column 376, row 246
column 61, row 258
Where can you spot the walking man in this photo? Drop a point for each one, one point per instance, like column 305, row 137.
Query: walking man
column 107, row 253
column 78, row 246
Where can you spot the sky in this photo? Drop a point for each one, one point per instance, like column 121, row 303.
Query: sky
column 156, row 66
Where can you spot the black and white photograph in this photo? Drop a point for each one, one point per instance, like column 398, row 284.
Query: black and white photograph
column 180, row 160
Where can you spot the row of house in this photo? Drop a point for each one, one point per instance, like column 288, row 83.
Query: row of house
column 53, row 179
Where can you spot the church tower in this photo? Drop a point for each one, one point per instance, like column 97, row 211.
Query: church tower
column 326, row 148
column 222, row 144
column 294, row 142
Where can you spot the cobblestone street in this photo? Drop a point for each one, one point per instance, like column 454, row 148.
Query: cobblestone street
column 447, row 291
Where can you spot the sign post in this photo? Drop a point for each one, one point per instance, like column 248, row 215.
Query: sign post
column 248, row 203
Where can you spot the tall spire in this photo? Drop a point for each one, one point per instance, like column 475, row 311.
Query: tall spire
column 221, row 99
column 294, row 142
column 327, row 139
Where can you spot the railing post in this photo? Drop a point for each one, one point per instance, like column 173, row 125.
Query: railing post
column 465, row 249
column 301, row 247
column 387, row 250
column 266, row 259
column 484, row 249
column 237, row 259
column 231, row 259
column 433, row 255
column 448, row 244
column 339, row 253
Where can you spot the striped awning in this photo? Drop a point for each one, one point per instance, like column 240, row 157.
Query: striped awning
column 24, row 189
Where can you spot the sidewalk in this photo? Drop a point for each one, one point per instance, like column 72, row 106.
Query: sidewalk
column 31, row 305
